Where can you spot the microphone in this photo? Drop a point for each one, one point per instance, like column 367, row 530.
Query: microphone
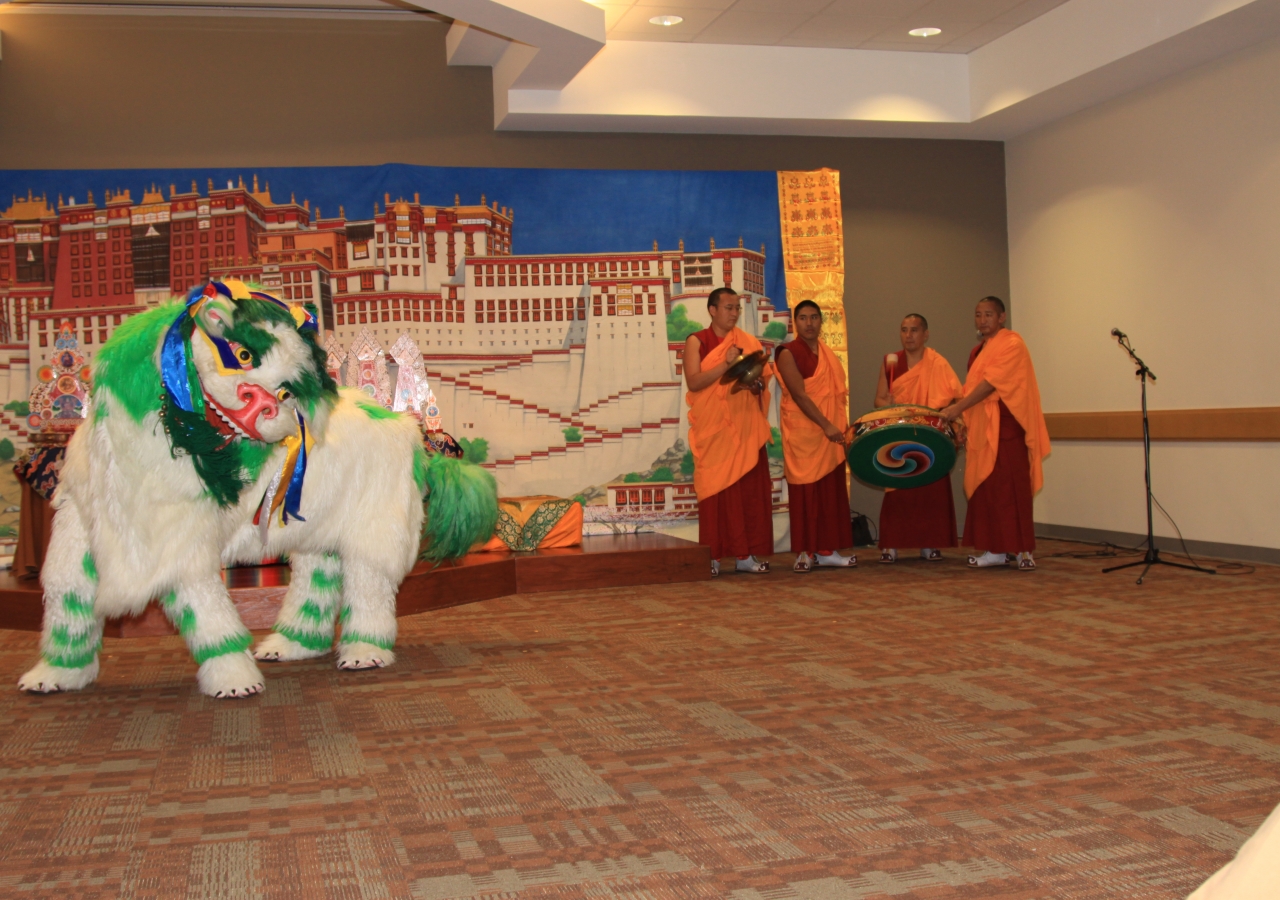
column 1117, row 333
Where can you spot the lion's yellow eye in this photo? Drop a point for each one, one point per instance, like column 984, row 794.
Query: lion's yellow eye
column 244, row 357
column 283, row 394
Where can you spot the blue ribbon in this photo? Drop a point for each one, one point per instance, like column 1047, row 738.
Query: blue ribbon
column 293, row 496
column 173, row 357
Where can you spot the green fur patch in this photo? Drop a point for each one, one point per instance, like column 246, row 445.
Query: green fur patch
column 90, row 570
column 312, row 612
column 420, row 468
column 355, row 637
column 236, row 643
column 374, row 411
column 73, row 659
column 308, row 639
column 186, row 621
column 72, row 605
column 62, row 638
column 323, row 582
column 126, row 364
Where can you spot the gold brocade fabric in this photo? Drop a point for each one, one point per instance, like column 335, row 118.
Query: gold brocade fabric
column 813, row 250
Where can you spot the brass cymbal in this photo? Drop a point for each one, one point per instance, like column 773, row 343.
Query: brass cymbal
column 746, row 371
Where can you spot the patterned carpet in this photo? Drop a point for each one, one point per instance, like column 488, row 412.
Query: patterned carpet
column 915, row 731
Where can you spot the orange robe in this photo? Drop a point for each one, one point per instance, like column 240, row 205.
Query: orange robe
column 817, row 489
column 923, row 516
column 1007, row 442
column 727, row 434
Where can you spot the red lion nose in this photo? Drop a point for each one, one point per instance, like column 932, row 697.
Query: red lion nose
column 257, row 400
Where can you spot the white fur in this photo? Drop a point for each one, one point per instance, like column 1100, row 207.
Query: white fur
column 230, row 675
column 275, row 647
column 46, row 679
column 359, row 655
column 144, row 515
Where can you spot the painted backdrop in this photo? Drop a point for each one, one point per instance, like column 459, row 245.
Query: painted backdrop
column 536, row 315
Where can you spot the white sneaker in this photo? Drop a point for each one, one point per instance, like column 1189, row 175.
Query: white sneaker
column 930, row 554
column 715, row 568
column 988, row 559
column 835, row 559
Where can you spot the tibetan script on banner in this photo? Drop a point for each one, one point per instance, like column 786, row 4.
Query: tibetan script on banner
column 812, row 227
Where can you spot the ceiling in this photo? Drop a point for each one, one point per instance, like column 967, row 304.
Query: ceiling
column 998, row 68
column 852, row 24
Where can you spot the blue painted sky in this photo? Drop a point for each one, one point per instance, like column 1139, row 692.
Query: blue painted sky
column 556, row 210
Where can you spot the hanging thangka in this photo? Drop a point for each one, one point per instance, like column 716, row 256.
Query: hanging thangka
column 813, row 249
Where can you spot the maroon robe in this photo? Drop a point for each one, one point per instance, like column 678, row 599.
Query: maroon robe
column 917, row 517
column 737, row 521
column 820, row 520
column 1000, row 516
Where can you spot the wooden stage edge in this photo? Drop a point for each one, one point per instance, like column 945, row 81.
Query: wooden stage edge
column 257, row 591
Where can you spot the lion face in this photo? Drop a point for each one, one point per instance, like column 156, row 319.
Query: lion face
column 259, row 370
column 258, row 397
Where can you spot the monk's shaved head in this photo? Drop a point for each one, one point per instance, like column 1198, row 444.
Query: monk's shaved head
column 713, row 299
column 989, row 316
column 914, row 333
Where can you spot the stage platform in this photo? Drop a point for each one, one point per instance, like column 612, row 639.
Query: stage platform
column 608, row 561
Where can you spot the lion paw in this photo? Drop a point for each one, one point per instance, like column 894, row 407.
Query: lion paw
column 45, row 678
column 361, row 655
column 275, row 647
column 230, row 675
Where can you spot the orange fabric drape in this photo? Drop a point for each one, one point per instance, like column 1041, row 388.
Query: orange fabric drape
column 726, row 430
column 931, row 382
column 807, row 455
column 1005, row 364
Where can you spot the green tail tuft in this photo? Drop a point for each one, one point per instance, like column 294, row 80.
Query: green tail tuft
column 462, row 508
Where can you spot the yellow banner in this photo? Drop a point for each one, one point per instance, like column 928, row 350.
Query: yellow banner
column 813, row 250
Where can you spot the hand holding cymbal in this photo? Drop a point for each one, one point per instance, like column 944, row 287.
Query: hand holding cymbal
column 744, row 373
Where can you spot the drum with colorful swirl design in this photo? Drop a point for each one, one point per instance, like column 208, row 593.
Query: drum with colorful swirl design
column 901, row 447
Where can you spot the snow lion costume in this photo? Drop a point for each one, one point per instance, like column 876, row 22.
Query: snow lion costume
column 215, row 436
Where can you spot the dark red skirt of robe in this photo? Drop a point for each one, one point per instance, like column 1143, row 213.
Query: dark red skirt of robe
column 1000, row 511
column 738, row 521
column 919, row 517
column 820, row 513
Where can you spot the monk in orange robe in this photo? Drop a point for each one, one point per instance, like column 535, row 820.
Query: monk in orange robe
column 727, row 434
column 1007, row 442
column 814, row 417
column 923, row 517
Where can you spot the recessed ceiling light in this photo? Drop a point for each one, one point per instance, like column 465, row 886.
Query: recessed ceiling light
column 924, row 32
column 666, row 20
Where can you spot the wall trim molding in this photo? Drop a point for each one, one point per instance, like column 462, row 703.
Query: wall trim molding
column 1252, row 423
column 1210, row 550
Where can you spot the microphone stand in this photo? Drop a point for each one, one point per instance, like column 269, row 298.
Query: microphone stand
column 1152, row 557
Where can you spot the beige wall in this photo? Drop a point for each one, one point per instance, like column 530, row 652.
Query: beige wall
column 1157, row 213
column 925, row 220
